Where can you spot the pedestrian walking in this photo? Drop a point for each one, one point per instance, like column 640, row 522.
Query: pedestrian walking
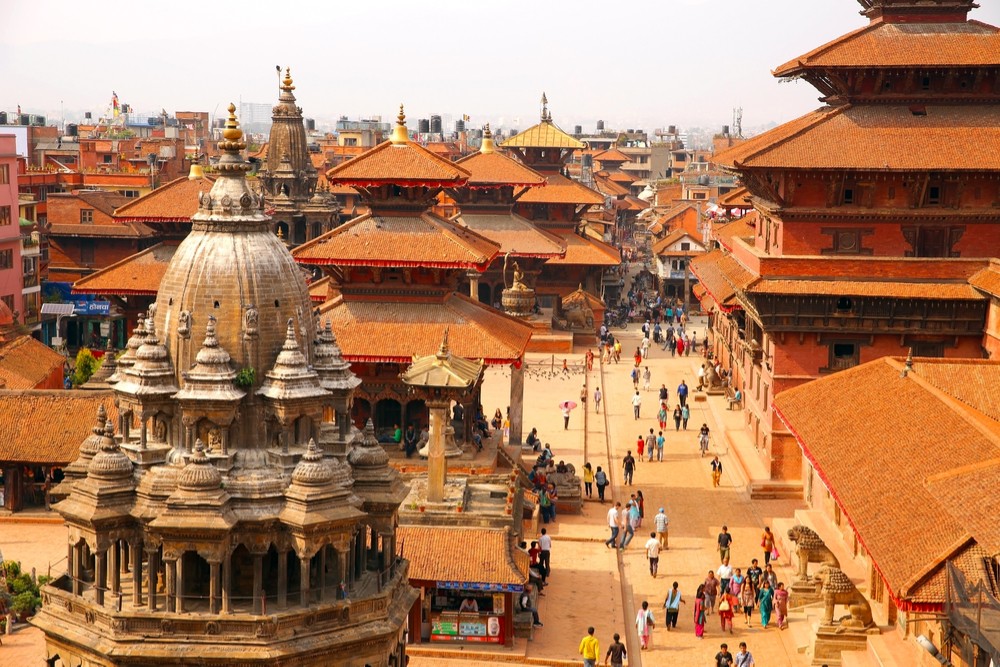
column 711, row 591
column 545, row 555
column 725, row 575
column 664, row 394
column 616, row 652
column 590, row 648
column 565, row 416
column 631, row 522
column 744, row 658
column 628, row 468
column 588, row 480
column 680, row 346
column 650, row 445
column 634, row 374
column 765, row 603
column 601, row 481
column 716, row 468
column 653, row 554
column 646, row 376
column 755, row 575
column 725, row 542
column 723, row 658
column 728, row 603
column 636, row 403
column 672, row 606
column 597, row 400
column 644, row 623
column 678, row 415
column 644, row 348
column 662, row 524
column 660, row 441
column 685, row 416
column 703, row 437
column 767, row 544
column 640, row 446
column 699, row 612
column 682, row 393
column 781, row 606
column 770, row 576
column 638, row 357
column 618, row 351
column 748, row 600
column 590, row 359
column 661, row 415
column 641, row 504
column 614, row 523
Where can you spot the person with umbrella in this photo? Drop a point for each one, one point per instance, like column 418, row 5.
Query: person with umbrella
column 566, row 406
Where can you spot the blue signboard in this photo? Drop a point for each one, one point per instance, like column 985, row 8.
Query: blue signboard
column 84, row 307
column 475, row 586
column 83, row 304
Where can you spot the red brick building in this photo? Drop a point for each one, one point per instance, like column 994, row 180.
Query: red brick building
column 873, row 212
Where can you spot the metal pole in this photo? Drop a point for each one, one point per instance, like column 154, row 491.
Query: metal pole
column 687, row 288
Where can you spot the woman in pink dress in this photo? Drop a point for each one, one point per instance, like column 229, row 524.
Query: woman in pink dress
column 644, row 625
column 781, row 606
column 699, row 612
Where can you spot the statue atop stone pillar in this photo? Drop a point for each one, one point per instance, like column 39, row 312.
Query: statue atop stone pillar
column 519, row 299
column 810, row 548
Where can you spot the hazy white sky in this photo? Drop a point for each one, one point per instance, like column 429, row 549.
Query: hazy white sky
column 634, row 63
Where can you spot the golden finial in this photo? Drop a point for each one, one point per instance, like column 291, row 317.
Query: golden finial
column 232, row 131
column 487, row 145
column 444, row 352
column 286, row 84
column 281, row 234
column 399, row 134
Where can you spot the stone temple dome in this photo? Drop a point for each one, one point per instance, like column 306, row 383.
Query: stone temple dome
column 231, row 266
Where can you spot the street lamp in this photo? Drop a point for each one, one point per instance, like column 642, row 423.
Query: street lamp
column 928, row 646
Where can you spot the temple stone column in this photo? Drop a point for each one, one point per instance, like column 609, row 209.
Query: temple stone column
column 114, row 569
column 100, row 576
column 213, row 587
column 136, row 566
column 473, row 284
column 516, row 402
column 76, row 567
column 227, row 584
column 304, row 580
column 152, row 572
column 437, row 467
column 179, row 584
column 170, row 597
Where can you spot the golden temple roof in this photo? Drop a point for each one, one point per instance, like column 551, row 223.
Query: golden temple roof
column 544, row 135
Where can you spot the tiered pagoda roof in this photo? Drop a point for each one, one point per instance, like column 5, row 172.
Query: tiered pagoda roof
column 138, row 274
column 489, row 169
column 176, row 201
column 561, row 190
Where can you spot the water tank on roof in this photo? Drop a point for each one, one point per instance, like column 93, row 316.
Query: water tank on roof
column 88, row 115
column 310, row 124
column 153, row 121
column 25, row 119
column 725, row 130
column 672, row 129
column 436, row 124
column 600, row 126
column 587, row 160
column 460, row 125
column 3, row 117
column 578, row 129
column 38, row 121
column 423, row 126
column 72, row 129
column 703, row 179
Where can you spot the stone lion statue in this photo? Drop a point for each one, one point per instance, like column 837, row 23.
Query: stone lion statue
column 578, row 314
column 811, row 549
column 839, row 589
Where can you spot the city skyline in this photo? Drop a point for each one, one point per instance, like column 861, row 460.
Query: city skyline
column 489, row 63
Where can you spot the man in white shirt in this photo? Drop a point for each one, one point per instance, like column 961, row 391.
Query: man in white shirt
column 614, row 521
column 636, row 403
column 701, row 377
column 725, row 574
column 653, row 553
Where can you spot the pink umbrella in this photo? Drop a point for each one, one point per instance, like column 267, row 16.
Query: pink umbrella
column 568, row 405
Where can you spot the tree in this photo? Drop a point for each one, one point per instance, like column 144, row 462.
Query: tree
column 86, row 365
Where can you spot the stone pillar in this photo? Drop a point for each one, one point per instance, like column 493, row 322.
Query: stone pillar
column 179, row 584
column 437, row 467
column 213, row 587
column 136, row 566
column 100, row 576
column 473, row 284
column 516, row 402
column 169, row 600
column 152, row 572
column 282, row 579
column 76, row 567
column 303, row 580
column 343, row 564
column 114, row 569
column 143, row 430
column 227, row 583
column 124, row 556
column 258, row 583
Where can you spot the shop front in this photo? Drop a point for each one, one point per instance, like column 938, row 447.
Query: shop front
column 466, row 598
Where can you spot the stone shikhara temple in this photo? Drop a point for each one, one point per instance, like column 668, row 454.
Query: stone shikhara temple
column 232, row 515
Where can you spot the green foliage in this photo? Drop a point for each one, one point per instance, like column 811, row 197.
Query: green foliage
column 86, row 365
column 13, row 569
column 21, row 593
column 26, row 603
column 246, row 377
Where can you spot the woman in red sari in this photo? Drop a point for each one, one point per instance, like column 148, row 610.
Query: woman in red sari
column 699, row 612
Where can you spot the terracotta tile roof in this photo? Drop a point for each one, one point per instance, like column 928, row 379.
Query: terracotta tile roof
column 870, row 288
column 483, row 555
column 543, row 135
column 492, row 169
column 26, row 363
column 127, row 230
column 877, row 137
column 103, row 201
column 988, row 279
column 660, row 247
column 873, row 456
column 609, row 187
column 612, row 155
column 373, row 331
column 139, row 274
column 418, row 239
column 954, row 488
column 969, row 44
column 402, row 164
column 680, row 216
column 738, row 198
column 514, row 234
column 742, row 228
column 561, row 190
column 47, row 427
column 621, row 177
column 319, row 290
column 585, row 252
column 636, row 204
column 722, row 276
column 175, row 201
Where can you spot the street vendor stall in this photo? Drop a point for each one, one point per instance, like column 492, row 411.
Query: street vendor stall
column 469, row 579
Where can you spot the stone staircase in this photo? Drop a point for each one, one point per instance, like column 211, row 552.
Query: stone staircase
column 775, row 490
